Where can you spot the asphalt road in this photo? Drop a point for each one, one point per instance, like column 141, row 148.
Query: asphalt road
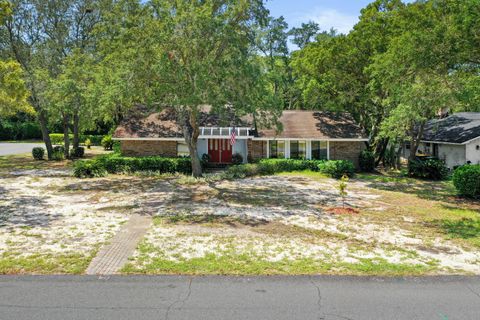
column 230, row 298
column 7, row 148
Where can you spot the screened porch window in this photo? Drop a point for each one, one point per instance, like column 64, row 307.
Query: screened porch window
column 319, row 150
column 277, row 149
column 298, row 149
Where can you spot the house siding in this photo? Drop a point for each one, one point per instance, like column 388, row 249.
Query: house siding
column 472, row 154
column 257, row 149
column 346, row 150
column 148, row 148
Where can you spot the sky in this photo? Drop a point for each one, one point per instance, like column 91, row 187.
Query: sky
column 342, row 15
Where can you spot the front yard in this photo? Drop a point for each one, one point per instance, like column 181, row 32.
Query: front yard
column 51, row 222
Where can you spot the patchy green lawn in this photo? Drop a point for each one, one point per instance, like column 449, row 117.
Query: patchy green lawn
column 281, row 225
column 53, row 223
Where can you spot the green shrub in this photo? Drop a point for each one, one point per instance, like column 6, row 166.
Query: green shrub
column 107, row 142
column 337, row 168
column 59, row 149
column 88, row 143
column 237, row 158
column 38, row 153
column 89, row 169
column 466, row 180
column 77, row 152
column 367, row 161
column 115, row 163
column 58, row 156
column 95, row 140
column 432, row 169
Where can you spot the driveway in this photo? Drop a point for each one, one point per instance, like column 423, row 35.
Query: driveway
column 7, row 148
column 172, row 297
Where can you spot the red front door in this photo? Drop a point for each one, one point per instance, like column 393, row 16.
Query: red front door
column 220, row 150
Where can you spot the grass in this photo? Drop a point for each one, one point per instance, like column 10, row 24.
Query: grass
column 26, row 162
column 44, row 263
column 247, row 264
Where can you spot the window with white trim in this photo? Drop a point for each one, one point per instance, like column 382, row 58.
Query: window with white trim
column 298, row 149
column 277, row 149
column 319, row 150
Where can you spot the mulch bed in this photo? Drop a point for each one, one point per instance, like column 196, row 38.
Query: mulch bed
column 341, row 210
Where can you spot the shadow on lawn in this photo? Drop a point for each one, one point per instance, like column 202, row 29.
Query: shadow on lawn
column 424, row 189
column 234, row 222
column 28, row 211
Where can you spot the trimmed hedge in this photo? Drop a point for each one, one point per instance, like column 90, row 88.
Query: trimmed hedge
column 118, row 164
column 366, row 161
column 95, row 140
column 432, row 169
column 38, row 153
column 77, row 152
column 466, row 180
column 335, row 169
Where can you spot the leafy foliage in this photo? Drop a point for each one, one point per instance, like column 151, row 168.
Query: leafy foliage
column 38, row 153
column 117, row 164
column 367, row 161
column 332, row 168
column 466, row 180
column 432, row 169
column 78, row 152
column 107, row 142
column 95, row 140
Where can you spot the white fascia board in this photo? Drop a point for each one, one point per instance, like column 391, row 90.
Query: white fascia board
column 313, row 139
column 149, row 139
column 442, row 142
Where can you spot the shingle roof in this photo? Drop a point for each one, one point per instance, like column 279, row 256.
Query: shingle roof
column 296, row 125
column 457, row 128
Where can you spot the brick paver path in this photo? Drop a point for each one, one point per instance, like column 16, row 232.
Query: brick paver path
column 113, row 256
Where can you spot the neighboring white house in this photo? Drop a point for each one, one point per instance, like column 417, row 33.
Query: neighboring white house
column 454, row 139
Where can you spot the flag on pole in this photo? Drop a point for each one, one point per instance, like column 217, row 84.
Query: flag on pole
column 233, row 136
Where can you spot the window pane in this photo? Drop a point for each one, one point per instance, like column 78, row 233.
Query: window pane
column 298, row 149
column 319, row 150
column 280, row 149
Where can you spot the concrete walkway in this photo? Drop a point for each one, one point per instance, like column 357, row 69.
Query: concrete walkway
column 113, row 256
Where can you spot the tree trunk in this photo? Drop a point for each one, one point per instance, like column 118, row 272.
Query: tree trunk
column 66, row 137
column 415, row 141
column 191, row 131
column 76, row 130
column 42, row 119
column 381, row 148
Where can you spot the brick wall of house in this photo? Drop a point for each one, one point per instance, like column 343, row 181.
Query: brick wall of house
column 346, row 150
column 149, row 148
column 257, row 149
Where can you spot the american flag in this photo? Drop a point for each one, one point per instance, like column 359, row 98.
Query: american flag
column 233, row 136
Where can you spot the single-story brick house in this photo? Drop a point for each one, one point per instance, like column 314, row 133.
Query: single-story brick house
column 454, row 139
column 304, row 135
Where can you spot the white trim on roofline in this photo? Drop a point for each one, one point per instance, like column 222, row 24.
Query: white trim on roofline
column 314, row 139
column 149, row 139
column 239, row 138
column 443, row 142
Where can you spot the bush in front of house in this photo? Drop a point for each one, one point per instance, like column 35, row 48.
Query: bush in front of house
column 431, row 169
column 38, row 153
column 107, row 142
column 333, row 168
column 466, row 180
column 366, row 161
column 117, row 164
column 337, row 168
column 237, row 158
column 89, row 169
column 58, row 156
column 77, row 152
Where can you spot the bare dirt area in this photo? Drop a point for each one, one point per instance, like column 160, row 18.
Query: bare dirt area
column 51, row 222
